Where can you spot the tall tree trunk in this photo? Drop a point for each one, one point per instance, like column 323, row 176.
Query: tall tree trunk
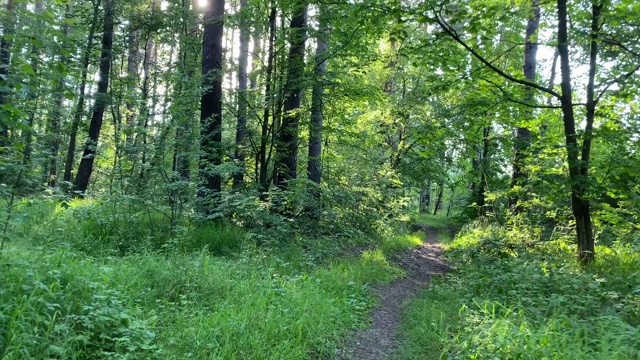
column 241, row 126
column 287, row 146
column 578, row 170
column 314, row 164
column 8, row 25
column 54, row 119
column 86, row 164
column 523, row 134
column 77, row 117
column 211, row 105
column 263, row 176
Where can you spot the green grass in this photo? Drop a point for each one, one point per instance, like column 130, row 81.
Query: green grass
column 70, row 292
column 510, row 300
column 444, row 226
column 438, row 221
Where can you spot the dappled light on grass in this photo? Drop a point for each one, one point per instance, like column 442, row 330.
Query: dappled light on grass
column 397, row 243
column 510, row 299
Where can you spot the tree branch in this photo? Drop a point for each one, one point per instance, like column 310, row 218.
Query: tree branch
column 451, row 32
column 612, row 41
column 615, row 81
column 510, row 99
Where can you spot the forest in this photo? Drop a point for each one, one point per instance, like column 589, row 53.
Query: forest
column 319, row 179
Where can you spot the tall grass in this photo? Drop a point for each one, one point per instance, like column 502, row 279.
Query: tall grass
column 513, row 298
column 90, row 280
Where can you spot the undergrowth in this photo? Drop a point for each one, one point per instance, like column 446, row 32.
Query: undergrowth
column 513, row 297
column 82, row 282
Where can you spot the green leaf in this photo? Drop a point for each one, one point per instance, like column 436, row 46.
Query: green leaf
column 27, row 69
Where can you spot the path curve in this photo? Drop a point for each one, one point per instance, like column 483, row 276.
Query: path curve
column 421, row 264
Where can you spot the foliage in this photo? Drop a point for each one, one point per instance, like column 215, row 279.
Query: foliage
column 53, row 307
column 68, row 296
column 485, row 308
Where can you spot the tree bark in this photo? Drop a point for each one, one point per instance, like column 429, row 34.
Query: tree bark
column 287, row 146
column 241, row 126
column 523, row 134
column 75, row 124
column 314, row 162
column 86, row 164
column 578, row 170
column 438, row 199
column 211, row 105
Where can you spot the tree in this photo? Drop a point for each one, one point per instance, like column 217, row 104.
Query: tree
column 241, row 127
column 8, row 26
column 79, row 110
column 578, row 155
column 579, row 168
column 314, row 164
column 286, row 167
column 263, row 158
column 56, row 115
column 35, row 81
column 90, row 148
column 523, row 134
column 211, row 105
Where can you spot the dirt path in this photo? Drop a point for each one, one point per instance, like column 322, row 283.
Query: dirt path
column 421, row 263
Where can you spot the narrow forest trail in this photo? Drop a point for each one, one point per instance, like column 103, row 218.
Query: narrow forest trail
column 421, row 264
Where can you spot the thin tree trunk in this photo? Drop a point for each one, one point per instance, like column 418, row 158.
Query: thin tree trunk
column 75, row 124
column 578, row 173
column 185, row 113
column 425, row 199
column 264, row 137
column 483, row 168
column 438, row 199
column 54, row 119
column 132, row 83
column 211, row 105
column 552, row 82
column 86, row 164
column 450, row 205
column 34, row 95
column 314, row 164
column 523, row 134
column 256, row 59
column 145, row 110
column 287, row 146
column 8, row 24
column 241, row 126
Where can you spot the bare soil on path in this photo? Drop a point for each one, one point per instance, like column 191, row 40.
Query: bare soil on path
column 421, row 264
